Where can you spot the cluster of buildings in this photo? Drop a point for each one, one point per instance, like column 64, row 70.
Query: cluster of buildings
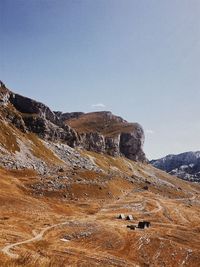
column 140, row 225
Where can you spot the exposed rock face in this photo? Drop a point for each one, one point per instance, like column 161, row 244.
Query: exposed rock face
column 185, row 165
column 30, row 106
column 39, row 119
column 112, row 145
column 93, row 142
column 101, row 132
column 49, row 131
column 66, row 116
column 131, row 144
column 105, row 132
column 7, row 112
column 98, row 143
column 4, row 94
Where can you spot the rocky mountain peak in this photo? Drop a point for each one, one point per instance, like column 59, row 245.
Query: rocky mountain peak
column 101, row 132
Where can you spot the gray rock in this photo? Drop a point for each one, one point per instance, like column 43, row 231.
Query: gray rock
column 93, row 142
column 50, row 131
column 30, row 106
column 112, row 145
column 131, row 144
column 108, row 135
column 68, row 115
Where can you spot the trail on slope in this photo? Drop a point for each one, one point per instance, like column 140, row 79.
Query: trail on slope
column 156, row 210
column 6, row 249
column 37, row 237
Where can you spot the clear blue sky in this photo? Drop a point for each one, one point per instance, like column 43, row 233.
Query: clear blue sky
column 138, row 58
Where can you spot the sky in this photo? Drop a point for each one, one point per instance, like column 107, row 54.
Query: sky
column 139, row 59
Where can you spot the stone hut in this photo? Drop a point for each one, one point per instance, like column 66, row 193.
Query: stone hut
column 121, row 216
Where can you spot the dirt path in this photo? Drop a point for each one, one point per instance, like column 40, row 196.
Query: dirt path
column 39, row 236
column 6, row 249
column 156, row 210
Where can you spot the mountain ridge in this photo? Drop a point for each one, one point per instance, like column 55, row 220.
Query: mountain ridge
column 185, row 165
column 31, row 116
column 62, row 190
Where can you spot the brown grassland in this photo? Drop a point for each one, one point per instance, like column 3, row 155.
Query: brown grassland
column 99, row 122
column 78, row 226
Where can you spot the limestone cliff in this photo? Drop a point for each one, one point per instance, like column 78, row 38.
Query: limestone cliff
column 101, row 132
column 107, row 133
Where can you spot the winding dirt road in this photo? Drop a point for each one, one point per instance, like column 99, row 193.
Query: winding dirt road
column 6, row 249
column 39, row 236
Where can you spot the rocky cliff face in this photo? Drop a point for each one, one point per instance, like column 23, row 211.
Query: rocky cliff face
column 101, row 132
column 131, row 144
column 29, row 115
column 4, row 94
column 107, row 133
column 185, row 165
column 30, row 106
column 68, row 115
column 47, row 130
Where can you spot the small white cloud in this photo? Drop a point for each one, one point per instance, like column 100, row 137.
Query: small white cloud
column 98, row 105
column 149, row 131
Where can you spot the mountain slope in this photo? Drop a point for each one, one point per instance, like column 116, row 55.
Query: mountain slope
column 71, row 219
column 27, row 117
column 60, row 199
column 105, row 132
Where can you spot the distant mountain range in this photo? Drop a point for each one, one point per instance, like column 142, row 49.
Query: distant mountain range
column 185, row 165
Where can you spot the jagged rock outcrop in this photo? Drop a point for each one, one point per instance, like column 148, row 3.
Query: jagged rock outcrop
column 50, row 131
column 30, row 106
column 101, row 132
column 131, row 144
column 30, row 115
column 112, row 145
column 4, row 94
column 8, row 112
column 93, row 142
column 68, row 115
column 107, row 133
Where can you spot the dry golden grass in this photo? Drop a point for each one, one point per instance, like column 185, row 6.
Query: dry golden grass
column 98, row 122
column 97, row 238
column 109, row 163
column 41, row 151
column 8, row 138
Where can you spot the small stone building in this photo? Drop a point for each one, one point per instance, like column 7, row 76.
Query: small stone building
column 121, row 216
column 143, row 224
column 129, row 217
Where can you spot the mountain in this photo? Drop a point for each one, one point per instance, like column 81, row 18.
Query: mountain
column 92, row 131
column 185, row 165
column 66, row 177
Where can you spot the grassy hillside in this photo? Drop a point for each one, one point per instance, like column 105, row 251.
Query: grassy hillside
column 102, row 122
column 77, row 225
